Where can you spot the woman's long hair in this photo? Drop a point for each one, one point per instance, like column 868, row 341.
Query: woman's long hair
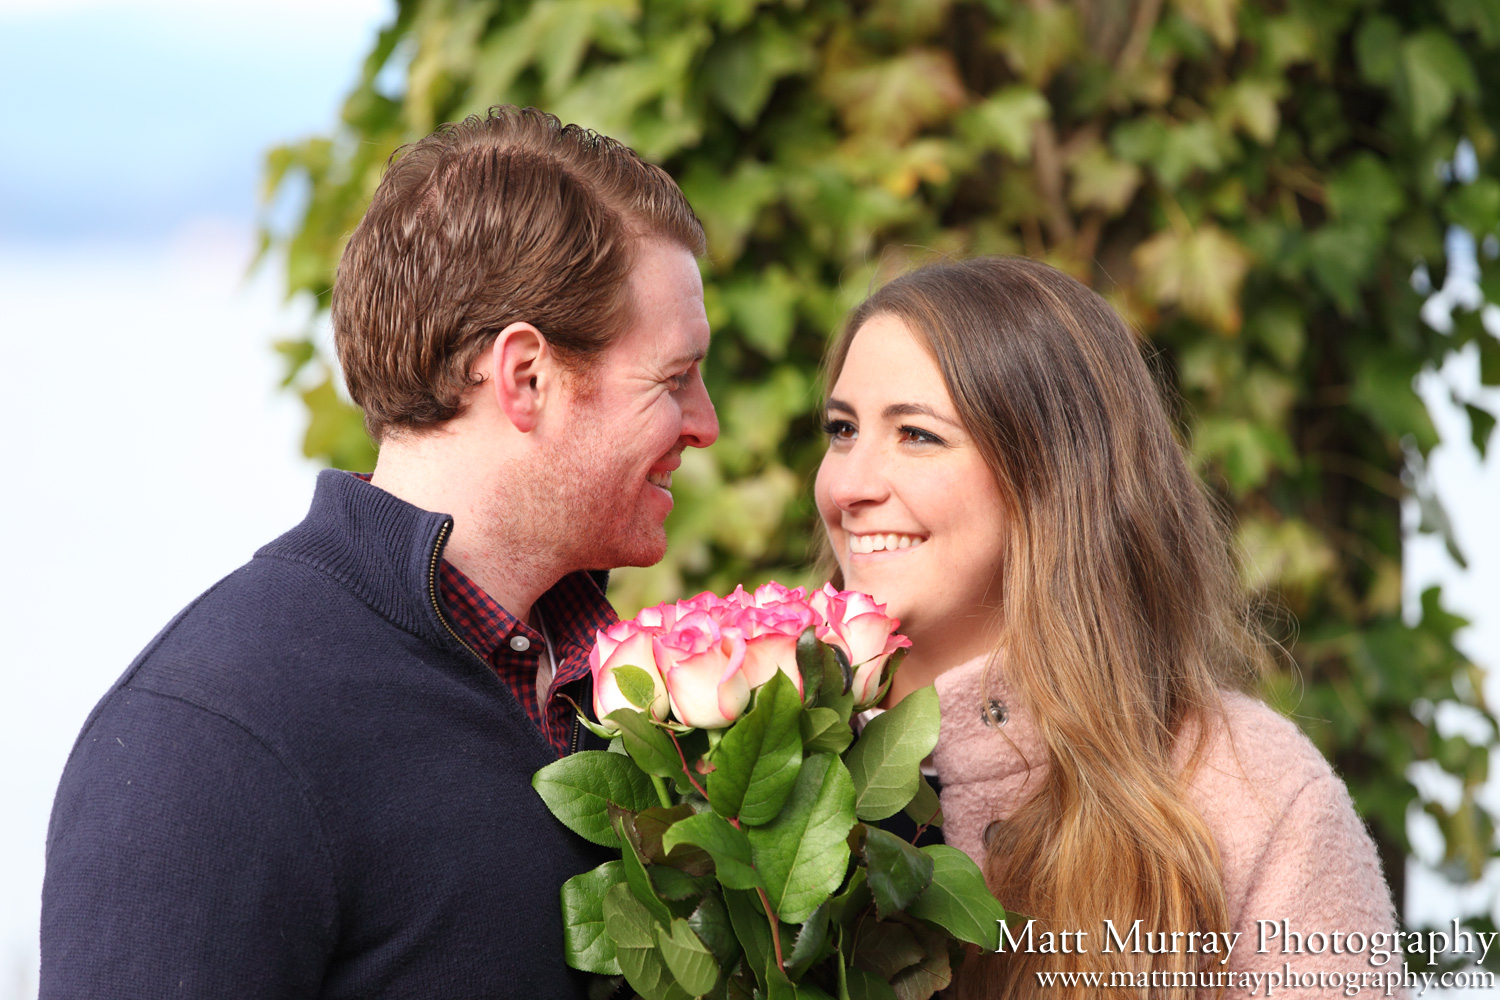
column 1121, row 614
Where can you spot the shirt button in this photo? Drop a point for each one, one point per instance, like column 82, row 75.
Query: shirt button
column 520, row 643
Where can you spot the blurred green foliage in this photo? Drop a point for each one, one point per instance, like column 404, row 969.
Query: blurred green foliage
column 1250, row 183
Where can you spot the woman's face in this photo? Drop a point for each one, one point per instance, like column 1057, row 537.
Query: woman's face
column 911, row 509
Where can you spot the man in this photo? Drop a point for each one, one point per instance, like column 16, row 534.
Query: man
column 315, row 782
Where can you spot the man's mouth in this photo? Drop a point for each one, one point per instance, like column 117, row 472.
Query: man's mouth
column 662, row 479
column 865, row 544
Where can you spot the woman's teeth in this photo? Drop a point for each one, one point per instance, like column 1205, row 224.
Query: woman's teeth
column 662, row 479
column 861, row 544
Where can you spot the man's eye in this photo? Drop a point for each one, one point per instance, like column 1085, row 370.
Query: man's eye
column 917, row 435
column 839, row 430
column 679, row 382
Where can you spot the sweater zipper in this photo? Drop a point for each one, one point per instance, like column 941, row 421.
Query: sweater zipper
column 432, row 594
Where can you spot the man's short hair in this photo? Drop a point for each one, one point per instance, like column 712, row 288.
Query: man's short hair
column 494, row 220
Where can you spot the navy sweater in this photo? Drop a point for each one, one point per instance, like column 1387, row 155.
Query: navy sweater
column 307, row 786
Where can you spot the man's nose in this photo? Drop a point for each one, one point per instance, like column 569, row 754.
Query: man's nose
column 700, row 423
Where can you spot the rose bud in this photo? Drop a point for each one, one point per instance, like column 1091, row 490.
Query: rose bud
column 701, row 662
column 623, row 644
column 860, row 627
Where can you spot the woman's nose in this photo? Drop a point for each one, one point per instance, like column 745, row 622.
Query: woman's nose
column 855, row 477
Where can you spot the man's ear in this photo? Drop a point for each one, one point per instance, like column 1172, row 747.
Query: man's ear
column 522, row 366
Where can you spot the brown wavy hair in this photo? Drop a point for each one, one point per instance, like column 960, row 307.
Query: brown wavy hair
column 510, row 217
column 1121, row 615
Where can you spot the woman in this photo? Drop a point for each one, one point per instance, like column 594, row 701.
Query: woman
column 1002, row 474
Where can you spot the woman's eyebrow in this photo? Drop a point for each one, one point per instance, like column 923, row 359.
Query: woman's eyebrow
column 915, row 410
column 839, row 405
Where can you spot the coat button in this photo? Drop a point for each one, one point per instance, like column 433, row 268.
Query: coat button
column 520, row 643
column 994, row 714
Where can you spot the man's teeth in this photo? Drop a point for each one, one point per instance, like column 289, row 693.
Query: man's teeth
column 882, row 543
column 662, row 479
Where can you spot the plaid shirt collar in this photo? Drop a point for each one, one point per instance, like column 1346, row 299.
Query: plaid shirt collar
column 572, row 611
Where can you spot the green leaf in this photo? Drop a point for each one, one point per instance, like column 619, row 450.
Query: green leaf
column 802, row 854
column 1436, row 72
column 636, row 876
column 868, row 986
column 585, row 944
column 824, row 732
column 1383, row 390
column 752, row 930
column 633, row 931
column 810, row 656
column 886, row 947
column 646, row 743
column 756, row 763
column 886, row 761
column 1200, row 270
column 687, row 958
column 957, row 899
column 925, row 809
column 649, row 826
column 1475, row 206
column 742, row 71
column 580, row 788
column 812, row 941
column 897, row 871
column 710, row 921
column 1481, row 425
column 1365, row 190
column 636, row 685
column 1004, row 121
column 729, row 847
column 1376, row 49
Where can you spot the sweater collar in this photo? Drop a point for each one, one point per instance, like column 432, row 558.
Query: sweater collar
column 378, row 546
column 986, row 733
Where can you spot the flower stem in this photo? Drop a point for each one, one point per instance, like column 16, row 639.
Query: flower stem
column 775, row 932
column 685, row 769
column 661, row 791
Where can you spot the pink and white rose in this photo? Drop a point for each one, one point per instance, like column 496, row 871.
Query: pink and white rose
column 861, row 628
column 702, row 664
column 625, row 643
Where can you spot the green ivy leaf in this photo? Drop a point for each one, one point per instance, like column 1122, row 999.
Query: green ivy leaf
column 802, row 854
column 580, row 788
column 885, row 762
column 1436, row 72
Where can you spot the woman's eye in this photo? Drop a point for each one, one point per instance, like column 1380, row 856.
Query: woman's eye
column 839, row 430
column 917, row 435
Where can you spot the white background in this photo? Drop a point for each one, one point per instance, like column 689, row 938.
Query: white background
column 149, row 451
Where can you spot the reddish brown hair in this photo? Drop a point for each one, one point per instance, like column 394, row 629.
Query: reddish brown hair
column 494, row 220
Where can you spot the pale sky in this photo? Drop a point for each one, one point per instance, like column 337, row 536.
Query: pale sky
column 154, row 453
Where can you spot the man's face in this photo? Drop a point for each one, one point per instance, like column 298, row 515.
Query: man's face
column 629, row 418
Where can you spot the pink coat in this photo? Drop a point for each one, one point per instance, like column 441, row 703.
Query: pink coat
column 1290, row 843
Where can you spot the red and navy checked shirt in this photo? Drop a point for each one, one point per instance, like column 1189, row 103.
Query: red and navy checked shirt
column 572, row 611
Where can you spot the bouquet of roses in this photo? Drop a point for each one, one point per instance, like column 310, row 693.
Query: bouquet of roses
column 744, row 809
